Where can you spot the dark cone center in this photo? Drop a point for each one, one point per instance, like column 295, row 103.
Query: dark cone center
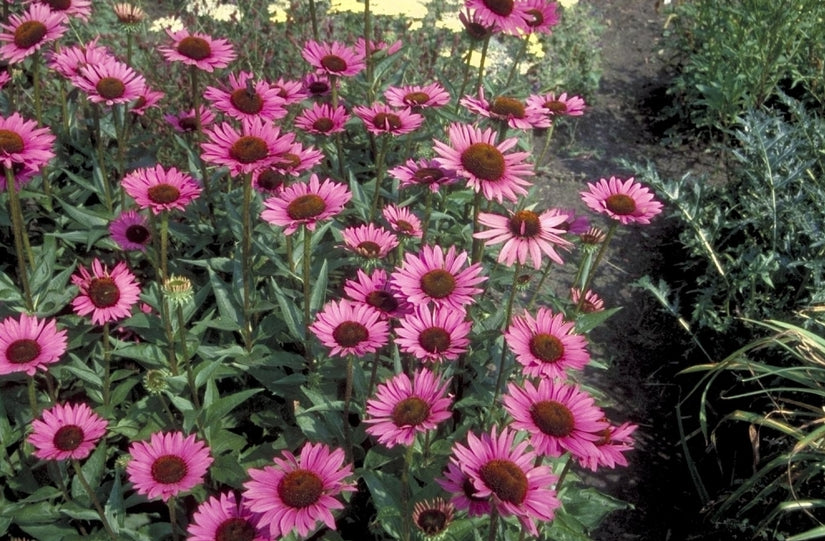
column 484, row 161
column 387, row 121
column 505, row 106
column 68, row 437
column 525, row 223
column 556, row 107
column 235, row 529
column 428, row 175
column 11, row 142
column 306, row 206
column 382, row 300
column 534, row 18
column 500, row 7
column 188, row 123
column 411, row 411
column 163, row 194
column 300, row 488
column 432, row 521
column 334, row 63
column 553, row 418
column 271, row 180
column 318, row 87
column 434, row 340
column 195, row 48
column 169, row 469
column 59, row 5
column 620, row 204
column 137, row 234
column 249, row 149
column 438, row 283
column 110, row 88
column 104, row 292
column 247, row 102
column 323, row 124
column 29, row 34
column 350, row 333
column 505, row 479
column 369, row 248
column 22, row 351
column 416, row 98
column 546, row 347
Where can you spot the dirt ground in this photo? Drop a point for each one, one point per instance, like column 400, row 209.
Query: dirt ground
column 643, row 345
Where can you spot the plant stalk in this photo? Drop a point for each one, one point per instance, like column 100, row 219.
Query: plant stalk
column 18, row 231
column 92, row 496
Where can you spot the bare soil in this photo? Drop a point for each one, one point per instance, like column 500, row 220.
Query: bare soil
column 627, row 119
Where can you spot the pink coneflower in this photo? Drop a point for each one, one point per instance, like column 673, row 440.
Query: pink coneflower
column 625, row 201
column 333, row 58
column 322, row 119
column 401, row 408
column 433, row 517
column 290, row 91
column 244, row 97
column 4, row 78
column 198, row 49
column 298, row 159
column 316, row 84
column 433, row 276
column 507, row 15
column 270, row 181
column 256, row 146
column 68, row 61
column 369, row 241
column 464, row 495
column 147, row 98
column 540, row 17
column 131, row 231
column 168, row 464
column 28, row 32
column 349, row 328
column 110, row 82
column 187, row 122
column 70, row 8
column 374, row 289
column 298, row 492
column 402, row 221
column 614, row 442
column 546, row 345
column 526, row 235
column 65, row 431
column 22, row 142
column 507, row 474
column 417, row 97
column 382, row 119
column 377, row 47
column 223, row 518
column 475, row 27
column 107, row 296
column 434, row 335
column 573, row 224
column 518, row 115
column 427, row 173
column 559, row 417
column 558, row 106
column 306, row 204
column 28, row 344
column 159, row 189
column 475, row 155
column 592, row 302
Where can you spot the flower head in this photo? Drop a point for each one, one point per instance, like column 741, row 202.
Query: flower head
column 23, row 143
column 427, row 173
column 27, row 32
column 417, row 96
column 244, row 97
column 67, row 431
column 614, row 442
column 198, row 49
column 290, row 91
column 518, row 115
column 349, row 328
column 402, row 221
column 70, row 8
column 382, row 119
column 625, row 201
column 507, row 15
column 475, row 155
column 374, row 290
column 433, row 517
column 438, row 277
column 591, row 303
column 28, row 344
column 540, row 16
column 131, row 231
column 403, row 407
column 187, row 122
column 546, row 345
column 558, row 106
column 297, row 159
column 526, row 235
column 434, row 335
column 559, row 417
column 159, row 189
column 369, row 241
column 129, row 15
column 322, row 119
column 258, row 145
column 465, row 496
column 68, row 61
column 107, row 296
column 168, row 464
column 306, row 204
column 110, row 82
column 298, row 492
column 505, row 471
column 147, row 97
column 224, row 518
column 333, row 58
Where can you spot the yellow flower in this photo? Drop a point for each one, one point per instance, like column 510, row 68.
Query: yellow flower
column 568, row 3
column 277, row 14
column 224, row 12
column 413, row 9
column 534, row 46
column 172, row 23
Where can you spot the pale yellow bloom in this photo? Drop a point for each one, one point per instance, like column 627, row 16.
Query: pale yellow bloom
column 277, row 14
column 451, row 23
column 225, row 13
column 413, row 9
column 534, row 46
column 172, row 23
column 568, row 3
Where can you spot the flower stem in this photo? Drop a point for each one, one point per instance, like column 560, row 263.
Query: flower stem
column 543, row 278
column 507, row 315
column 164, row 245
column 314, row 19
column 246, row 263
column 347, row 401
column 406, row 496
column 92, row 496
column 517, row 60
column 368, row 50
column 481, row 62
column 107, row 364
column 465, row 76
column 476, row 251
column 548, row 136
column 32, row 392
column 18, row 232
column 190, row 374
column 379, row 176
column 374, row 373
column 173, row 517
column 564, row 472
column 491, row 536
column 101, row 157
column 196, row 103
column 428, row 207
column 589, row 278
column 307, row 269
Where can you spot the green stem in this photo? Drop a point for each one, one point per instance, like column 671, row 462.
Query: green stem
column 314, row 18
column 347, row 403
column 173, row 518
column 406, row 495
column 517, row 60
column 368, row 49
column 465, row 76
column 32, row 393
column 246, row 264
column 379, row 176
column 107, row 365
column 196, row 102
column 491, row 536
column 101, row 157
column 564, row 472
column 589, row 278
column 92, row 496
column 548, row 136
column 190, row 374
column 38, row 91
column 18, row 231
column 543, row 278
column 374, row 373
column 164, row 245
column 507, row 315
column 428, row 208
column 481, row 62
column 477, row 247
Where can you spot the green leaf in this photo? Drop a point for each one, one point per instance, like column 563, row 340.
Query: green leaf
column 587, row 322
column 221, row 407
column 386, row 495
column 228, row 306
